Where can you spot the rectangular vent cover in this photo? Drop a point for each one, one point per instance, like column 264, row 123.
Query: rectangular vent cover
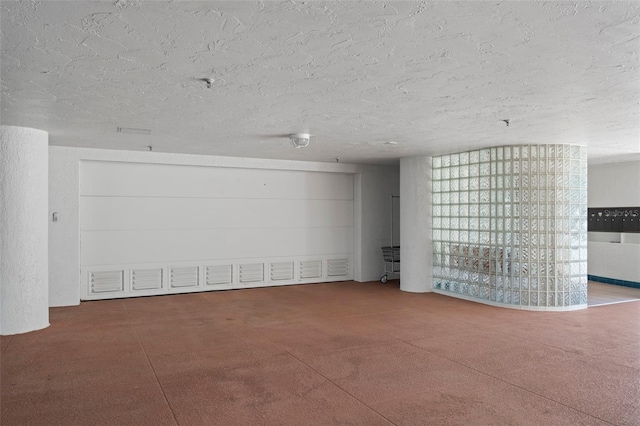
column 219, row 274
column 281, row 271
column 146, row 279
column 310, row 269
column 106, row 281
column 184, row 277
column 251, row 273
column 337, row 267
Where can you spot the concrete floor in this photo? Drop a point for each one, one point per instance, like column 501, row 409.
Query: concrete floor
column 322, row 354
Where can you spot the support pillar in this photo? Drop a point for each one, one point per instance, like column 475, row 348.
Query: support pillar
column 24, row 290
column 416, row 263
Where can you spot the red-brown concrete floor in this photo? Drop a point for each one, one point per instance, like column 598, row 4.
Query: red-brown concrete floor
column 322, row 354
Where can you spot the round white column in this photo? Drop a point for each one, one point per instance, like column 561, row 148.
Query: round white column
column 416, row 255
column 24, row 289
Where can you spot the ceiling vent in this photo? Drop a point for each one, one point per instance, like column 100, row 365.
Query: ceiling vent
column 133, row 131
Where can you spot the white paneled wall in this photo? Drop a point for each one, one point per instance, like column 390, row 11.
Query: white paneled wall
column 155, row 228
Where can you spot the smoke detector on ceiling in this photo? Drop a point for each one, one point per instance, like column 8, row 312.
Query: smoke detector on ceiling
column 300, row 140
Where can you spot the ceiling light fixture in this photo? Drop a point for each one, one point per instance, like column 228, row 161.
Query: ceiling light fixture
column 300, row 140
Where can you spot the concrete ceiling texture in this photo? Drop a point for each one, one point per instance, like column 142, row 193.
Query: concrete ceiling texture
column 372, row 81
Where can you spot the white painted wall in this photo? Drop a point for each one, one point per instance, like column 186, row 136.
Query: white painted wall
column 64, row 190
column 24, row 304
column 374, row 187
column 416, row 256
column 614, row 185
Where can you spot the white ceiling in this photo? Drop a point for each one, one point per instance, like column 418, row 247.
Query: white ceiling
column 435, row 77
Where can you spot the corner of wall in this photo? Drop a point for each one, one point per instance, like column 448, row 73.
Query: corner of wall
column 375, row 185
column 64, row 237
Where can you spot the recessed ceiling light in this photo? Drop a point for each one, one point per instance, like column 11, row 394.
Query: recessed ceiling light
column 134, row 131
column 391, row 143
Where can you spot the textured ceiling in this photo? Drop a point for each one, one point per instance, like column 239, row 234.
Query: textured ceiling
column 435, row 77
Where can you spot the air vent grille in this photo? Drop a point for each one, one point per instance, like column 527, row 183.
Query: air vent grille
column 106, row 281
column 184, row 277
column 310, row 269
column 281, row 271
column 146, row 279
column 219, row 274
column 338, row 267
column 251, row 273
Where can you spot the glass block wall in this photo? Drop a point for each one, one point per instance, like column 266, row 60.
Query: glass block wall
column 510, row 226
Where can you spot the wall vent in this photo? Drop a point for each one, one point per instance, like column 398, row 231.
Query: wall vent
column 219, row 274
column 281, row 271
column 146, row 279
column 310, row 269
column 106, row 281
column 251, row 273
column 184, row 277
column 337, row 267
